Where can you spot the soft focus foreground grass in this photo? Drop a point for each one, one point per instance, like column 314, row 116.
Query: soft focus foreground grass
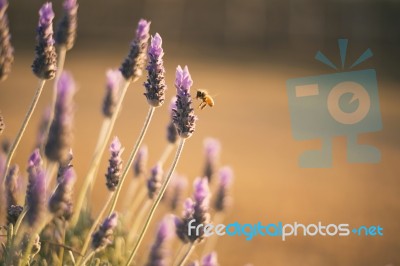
column 251, row 119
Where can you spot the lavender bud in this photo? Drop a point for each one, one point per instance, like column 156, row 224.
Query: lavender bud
column 101, row 238
column 66, row 31
column 178, row 187
column 154, row 181
column 59, row 140
column 172, row 133
column 5, row 146
column 12, row 185
column 2, row 125
column 212, row 149
column 140, row 162
column 36, row 190
column 115, row 165
column 159, row 250
column 45, row 64
column 181, row 225
column 133, row 65
column 42, row 129
column 184, row 118
column 155, row 84
column 60, row 203
column 6, row 50
column 111, row 96
column 222, row 200
column 210, row 260
column 64, row 166
column 13, row 212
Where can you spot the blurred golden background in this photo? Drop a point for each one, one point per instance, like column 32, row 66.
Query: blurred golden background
column 242, row 52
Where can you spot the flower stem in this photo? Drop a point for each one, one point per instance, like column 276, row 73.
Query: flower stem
column 94, row 226
column 102, row 142
column 157, row 201
column 187, row 254
column 23, row 127
column 87, row 258
column 131, row 158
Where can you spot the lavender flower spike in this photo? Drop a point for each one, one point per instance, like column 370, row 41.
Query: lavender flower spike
column 133, row 65
column 59, row 140
column 212, row 149
column 178, row 187
column 181, row 225
column 210, row 260
column 159, row 250
column 36, row 190
column 140, row 162
column 154, row 181
column 115, row 164
column 45, row 64
column 184, row 118
column 42, row 129
column 6, row 50
column 155, row 84
column 60, row 203
column 222, row 200
column 12, row 185
column 111, row 95
column 66, row 31
column 101, row 238
column 172, row 133
column 201, row 197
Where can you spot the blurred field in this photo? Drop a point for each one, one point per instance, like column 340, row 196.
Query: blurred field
column 251, row 119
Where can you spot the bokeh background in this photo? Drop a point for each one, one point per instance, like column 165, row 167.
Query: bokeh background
column 242, row 52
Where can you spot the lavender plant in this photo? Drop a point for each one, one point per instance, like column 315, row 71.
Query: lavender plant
column 48, row 229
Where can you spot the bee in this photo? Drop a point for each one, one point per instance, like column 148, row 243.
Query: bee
column 205, row 98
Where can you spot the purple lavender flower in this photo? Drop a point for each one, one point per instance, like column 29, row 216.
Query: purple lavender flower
column 196, row 209
column 111, row 95
column 210, row 260
column 159, row 252
column 212, row 149
column 154, row 181
column 42, row 129
column 172, row 133
column 133, row 65
column 140, row 162
column 59, row 140
column 179, row 184
column 155, row 84
column 181, row 224
column 66, row 31
column 101, row 238
column 12, row 185
column 184, row 118
column 45, row 64
column 222, row 200
column 60, row 203
column 36, row 190
column 115, row 165
column 6, row 50
column 13, row 213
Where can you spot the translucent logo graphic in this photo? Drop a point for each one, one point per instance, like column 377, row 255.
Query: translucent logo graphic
column 344, row 103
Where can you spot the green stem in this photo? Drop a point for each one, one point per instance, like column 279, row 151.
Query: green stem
column 131, row 158
column 105, row 133
column 21, row 131
column 62, row 248
column 87, row 258
column 187, row 254
column 94, row 226
column 157, row 201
